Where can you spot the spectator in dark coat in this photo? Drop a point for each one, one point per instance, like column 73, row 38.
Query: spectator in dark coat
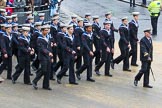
column 19, row 5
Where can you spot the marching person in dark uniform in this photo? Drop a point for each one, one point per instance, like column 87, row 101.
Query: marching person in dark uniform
column 133, row 32
column 45, row 57
column 14, row 18
column 146, row 57
column 8, row 19
column 74, row 21
column 6, row 49
column 108, row 16
column 87, row 41
column 106, row 47
column 37, row 28
column 24, row 52
column 31, row 22
column 96, row 36
column 53, row 31
column 41, row 18
column 60, row 46
column 29, row 13
column 2, row 31
column 87, row 18
column 79, row 30
column 124, row 46
column 69, row 57
column 2, row 16
column 15, row 42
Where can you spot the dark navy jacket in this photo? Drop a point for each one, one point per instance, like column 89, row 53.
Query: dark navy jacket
column 44, row 48
column 6, row 44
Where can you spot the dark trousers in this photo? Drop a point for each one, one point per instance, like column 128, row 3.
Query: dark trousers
column 87, row 65
column 7, row 62
column 78, row 61
column 144, row 2
column 124, row 56
column 54, row 62
column 44, row 71
column 145, row 69
column 133, row 53
column 105, row 58
column 68, row 64
column 36, row 62
column 97, row 56
column 132, row 2
column 97, row 51
column 24, row 64
column 154, row 21
column 60, row 62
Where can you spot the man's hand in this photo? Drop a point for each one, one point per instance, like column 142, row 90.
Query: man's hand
column 5, row 56
column 129, row 46
column 73, row 52
column 50, row 54
column 78, row 48
column 108, row 49
column 91, row 53
column 112, row 51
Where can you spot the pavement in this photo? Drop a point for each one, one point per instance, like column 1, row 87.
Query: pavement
column 106, row 92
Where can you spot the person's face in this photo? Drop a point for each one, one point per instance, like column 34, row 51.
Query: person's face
column 41, row 17
column 9, row 30
column 45, row 31
column 74, row 19
column 71, row 30
column 148, row 34
column 39, row 27
column 125, row 21
column 107, row 26
column 136, row 17
column 2, row 13
column 88, row 17
column 26, row 33
column 80, row 23
column 64, row 29
column 96, row 20
column 109, row 16
column 15, row 19
column 15, row 28
column 9, row 20
column 31, row 20
column 55, row 22
column 89, row 29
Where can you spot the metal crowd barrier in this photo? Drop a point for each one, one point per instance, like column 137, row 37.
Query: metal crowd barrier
column 22, row 15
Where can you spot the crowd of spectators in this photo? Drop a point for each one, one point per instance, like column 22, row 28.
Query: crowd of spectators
column 27, row 5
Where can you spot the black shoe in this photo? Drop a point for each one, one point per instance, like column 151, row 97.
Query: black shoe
column 34, row 85
column 91, row 80
column 48, row 88
column 78, row 76
column 135, row 82
column 148, row 86
column 53, row 79
column 66, row 75
column 59, row 80
column 109, row 75
column 31, row 74
column 9, row 78
column 134, row 65
column 73, row 83
column 127, row 70
column 97, row 73
column 13, row 81
column 34, row 68
column 112, row 65
column 28, row 83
